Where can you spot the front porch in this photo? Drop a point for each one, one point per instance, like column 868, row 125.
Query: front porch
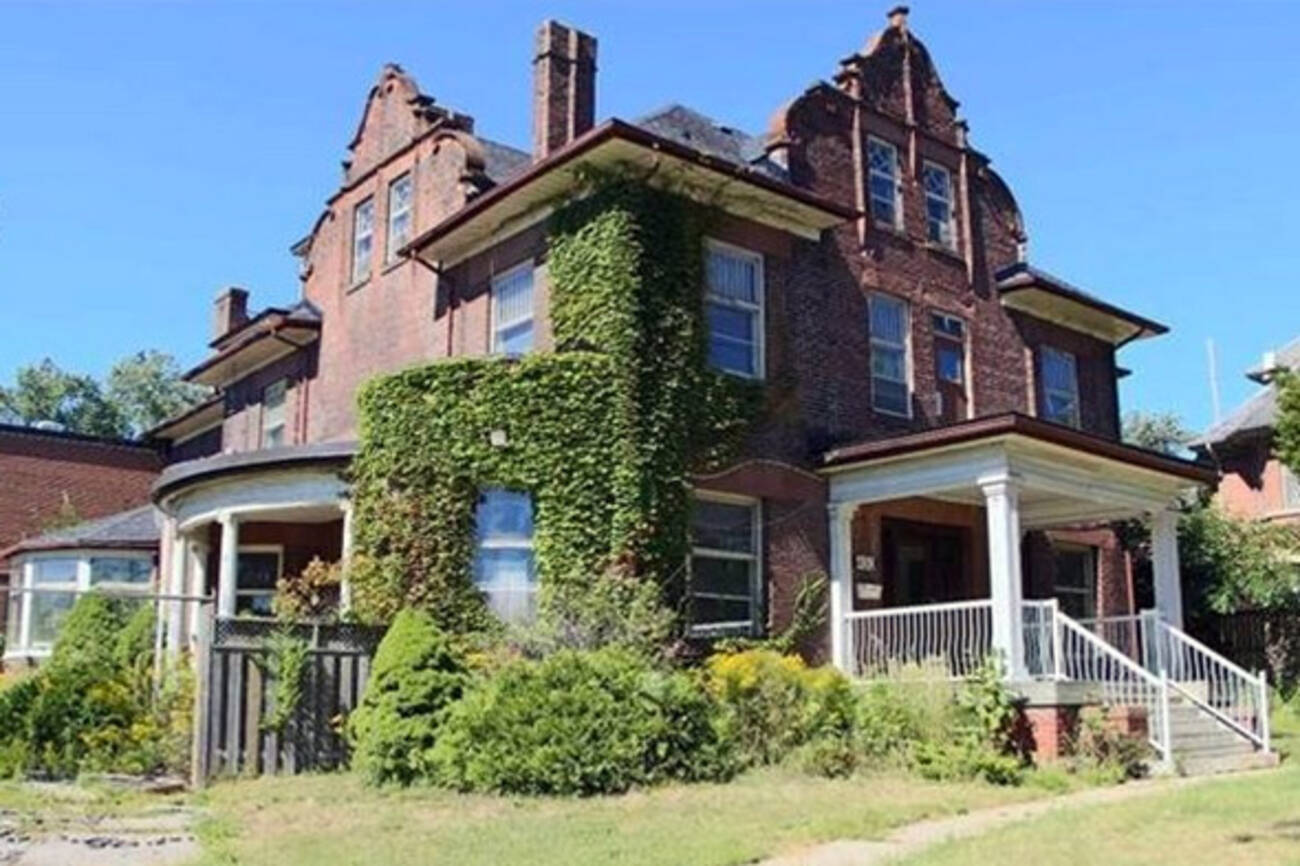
column 930, row 568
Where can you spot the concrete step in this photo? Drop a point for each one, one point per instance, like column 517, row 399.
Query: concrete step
column 1195, row 765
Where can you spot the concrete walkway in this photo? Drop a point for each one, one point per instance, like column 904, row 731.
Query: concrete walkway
column 911, row 839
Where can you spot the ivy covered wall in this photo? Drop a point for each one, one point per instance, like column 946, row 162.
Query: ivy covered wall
column 603, row 432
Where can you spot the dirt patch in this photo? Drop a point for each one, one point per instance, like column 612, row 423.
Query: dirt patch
column 158, row 837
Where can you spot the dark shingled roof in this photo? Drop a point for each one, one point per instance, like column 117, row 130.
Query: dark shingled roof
column 134, row 529
column 501, row 161
column 689, row 127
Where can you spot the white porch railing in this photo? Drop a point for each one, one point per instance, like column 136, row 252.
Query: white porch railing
column 1235, row 697
column 954, row 638
column 1064, row 649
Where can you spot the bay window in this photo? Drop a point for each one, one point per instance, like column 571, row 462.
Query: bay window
column 725, row 575
column 733, row 299
column 504, row 569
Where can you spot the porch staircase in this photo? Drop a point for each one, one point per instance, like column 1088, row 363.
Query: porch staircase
column 1204, row 714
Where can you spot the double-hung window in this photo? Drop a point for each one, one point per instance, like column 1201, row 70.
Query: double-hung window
column 399, row 216
column 734, row 308
column 882, row 183
column 273, row 413
column 937, row 182
column 54, row 584
column 1060, row 390
column 363, row 239
column 725, row 578
column 257, row 571
column 512, row 311
column 891, row 389
column 1076, row 581
column 504, row 570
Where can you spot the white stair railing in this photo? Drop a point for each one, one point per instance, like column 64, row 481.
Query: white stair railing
column 1059, row 647
column 953, row 638
column 1228, row 692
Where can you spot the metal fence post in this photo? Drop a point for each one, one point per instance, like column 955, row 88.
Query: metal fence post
column 1264, row 721
column 1058, row 642
column 1166, row 724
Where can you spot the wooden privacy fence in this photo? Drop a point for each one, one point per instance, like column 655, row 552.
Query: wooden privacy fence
column 236, row 697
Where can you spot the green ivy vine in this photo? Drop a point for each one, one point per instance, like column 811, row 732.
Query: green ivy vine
column 604, row 432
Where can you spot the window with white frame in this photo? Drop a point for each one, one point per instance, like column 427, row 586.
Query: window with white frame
column 504, row 570
column 733, row 298
column 512, row 311
column 1076, row 581
column 273, row 413
column 1060, row 382
column 882, row 183
column 937, row 183
column 725, row 573
column 51, row 584
column 363, row 239
column 399, row 216
column 949, row 348
column 891, row 383
column 258, row 568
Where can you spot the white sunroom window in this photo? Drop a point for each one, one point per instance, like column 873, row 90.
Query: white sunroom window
column 891, row 385
column 882, row 182
column 724, row 574
column 512, row 311
column 1060, row 386
column 734, row 308
column 504, row 569
column 51, row 584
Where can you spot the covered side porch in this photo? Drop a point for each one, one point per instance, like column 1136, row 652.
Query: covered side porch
column 951, row 545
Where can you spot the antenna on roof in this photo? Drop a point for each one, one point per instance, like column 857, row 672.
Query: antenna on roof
column 1214, row 379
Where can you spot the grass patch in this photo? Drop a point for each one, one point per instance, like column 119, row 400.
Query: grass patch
column 46, row 807
column 331, row 820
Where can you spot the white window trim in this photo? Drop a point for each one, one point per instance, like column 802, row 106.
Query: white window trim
column 951, row 243
column 1088, row 592
column 738, row 627
column 20, row 645
column 278, row 550
column 497, row 327
column 390, row 249
column 507, row 542
column 357, row 277
column 907, row 353
column 1075, row 417
column 897, row 179
column 760, row 275
column 267, row 427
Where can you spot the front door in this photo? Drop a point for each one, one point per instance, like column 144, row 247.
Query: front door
column 924, row 563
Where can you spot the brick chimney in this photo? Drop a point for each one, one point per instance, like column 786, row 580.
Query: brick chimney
column 564, row 87
column 229, row 312
column 898, row 17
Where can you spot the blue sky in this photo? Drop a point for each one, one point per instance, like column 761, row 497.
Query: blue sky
column 152, row 153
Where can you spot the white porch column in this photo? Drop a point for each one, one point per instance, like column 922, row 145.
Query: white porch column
column 1165, row 567
column 841, row 585
column 226, row 574
column 1002, row 501
column 198, row 584
column 177, row 554
column 345, row 587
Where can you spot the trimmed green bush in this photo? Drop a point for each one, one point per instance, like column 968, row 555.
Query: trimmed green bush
column 417, row 673
column 580, row 723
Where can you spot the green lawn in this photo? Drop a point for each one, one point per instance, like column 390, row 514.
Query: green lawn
column 334, row 820
column 1253, row 818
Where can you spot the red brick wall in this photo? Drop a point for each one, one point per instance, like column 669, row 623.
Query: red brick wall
column 39, row 470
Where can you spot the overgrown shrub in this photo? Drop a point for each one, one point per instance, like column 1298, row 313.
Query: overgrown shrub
column 580, row 723
column 981, row 744
column 312, row 594
column 774, row 705
column 417, row 672
column 1100, row 751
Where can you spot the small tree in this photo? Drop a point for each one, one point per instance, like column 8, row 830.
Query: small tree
column 1156, row 431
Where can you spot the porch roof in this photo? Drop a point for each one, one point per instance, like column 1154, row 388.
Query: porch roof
column 1065, row 475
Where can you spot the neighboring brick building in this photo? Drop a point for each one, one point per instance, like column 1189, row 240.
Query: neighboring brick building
column 923, row 381
column 49, row 477
column 1254, row 483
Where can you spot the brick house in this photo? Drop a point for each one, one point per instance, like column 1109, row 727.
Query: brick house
column 47, row 476
column 941, row 420
column 1254, row 483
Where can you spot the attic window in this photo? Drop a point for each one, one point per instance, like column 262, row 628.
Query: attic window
column 882, row 160
column 363, row 240
column 937, row 182
column 399, row 216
